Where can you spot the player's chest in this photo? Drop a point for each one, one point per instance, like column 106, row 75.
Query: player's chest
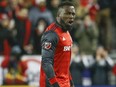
column 65, row 39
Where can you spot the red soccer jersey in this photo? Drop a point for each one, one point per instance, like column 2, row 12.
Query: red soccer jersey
column 61, row 56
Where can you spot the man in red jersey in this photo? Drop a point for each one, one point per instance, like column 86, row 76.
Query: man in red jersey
column 56, row 49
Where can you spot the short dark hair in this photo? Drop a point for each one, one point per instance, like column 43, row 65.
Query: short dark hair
column 65, row 3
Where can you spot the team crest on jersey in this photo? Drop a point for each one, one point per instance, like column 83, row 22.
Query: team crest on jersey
column 46, row 45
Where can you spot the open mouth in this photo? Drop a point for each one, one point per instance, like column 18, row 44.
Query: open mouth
column 70, row 22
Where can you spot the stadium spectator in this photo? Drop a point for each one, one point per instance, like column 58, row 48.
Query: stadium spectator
column 6, row 39
column 76, row 66
column 40, row 11
column 104, row 24
column 86, row 35
column 23, row 29
column 81, row 68
column 100, row 69
column 38, row 31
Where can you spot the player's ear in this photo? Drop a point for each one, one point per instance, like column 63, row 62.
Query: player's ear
column 59, row 12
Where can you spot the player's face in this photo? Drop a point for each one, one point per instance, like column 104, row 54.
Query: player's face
column 67, row 16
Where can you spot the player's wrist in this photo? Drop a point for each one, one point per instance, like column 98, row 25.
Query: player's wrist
column 53, row 80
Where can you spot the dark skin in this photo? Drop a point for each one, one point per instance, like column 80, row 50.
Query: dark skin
column 65, row 19
column 66, row 16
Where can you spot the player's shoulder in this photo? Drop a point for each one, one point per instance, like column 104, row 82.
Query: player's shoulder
column 50, row 35
column 52, row 26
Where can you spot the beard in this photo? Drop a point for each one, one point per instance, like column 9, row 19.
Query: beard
column 65, row 27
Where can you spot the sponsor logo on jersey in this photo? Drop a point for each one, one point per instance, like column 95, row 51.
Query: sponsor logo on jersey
column 67, row 48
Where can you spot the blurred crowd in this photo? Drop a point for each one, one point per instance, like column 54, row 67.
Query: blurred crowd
column 22, row 23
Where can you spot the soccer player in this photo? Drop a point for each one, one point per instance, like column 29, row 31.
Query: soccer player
column 56, row 49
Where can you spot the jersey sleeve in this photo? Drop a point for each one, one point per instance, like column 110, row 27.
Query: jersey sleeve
column 49, row 42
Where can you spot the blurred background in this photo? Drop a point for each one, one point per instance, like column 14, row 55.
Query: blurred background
column 22, row 23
